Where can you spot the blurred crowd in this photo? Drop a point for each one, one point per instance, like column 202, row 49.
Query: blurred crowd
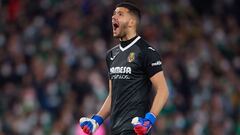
column 53, row 70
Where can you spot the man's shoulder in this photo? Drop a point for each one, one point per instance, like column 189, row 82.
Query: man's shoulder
column 145, row 46
column 116, row 47
column 113, row 51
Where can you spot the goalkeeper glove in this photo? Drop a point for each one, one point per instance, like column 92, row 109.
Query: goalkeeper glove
column 143, row 125
column 90, row 125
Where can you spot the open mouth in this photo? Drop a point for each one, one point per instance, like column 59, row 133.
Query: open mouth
column 115, row 26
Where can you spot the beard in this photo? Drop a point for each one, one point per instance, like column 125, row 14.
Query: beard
column 120, row 34
column 121, row 31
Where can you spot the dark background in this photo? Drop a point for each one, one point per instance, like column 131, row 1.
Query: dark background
column 53, row 71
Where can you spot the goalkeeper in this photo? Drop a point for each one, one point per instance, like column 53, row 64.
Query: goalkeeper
column 134, row 69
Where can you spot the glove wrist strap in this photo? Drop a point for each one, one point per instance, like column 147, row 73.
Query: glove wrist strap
column 98, row 119
column 151, row 117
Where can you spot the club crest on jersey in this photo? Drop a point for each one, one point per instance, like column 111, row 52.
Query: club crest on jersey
column 131, row 57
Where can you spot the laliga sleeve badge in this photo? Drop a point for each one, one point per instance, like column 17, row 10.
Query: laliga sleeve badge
column 131, row 57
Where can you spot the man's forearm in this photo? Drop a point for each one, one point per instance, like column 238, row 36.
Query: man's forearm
column 105, row 110
column 160, row 86
column 159, row 101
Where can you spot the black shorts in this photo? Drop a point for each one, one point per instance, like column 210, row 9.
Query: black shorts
column 129, row 132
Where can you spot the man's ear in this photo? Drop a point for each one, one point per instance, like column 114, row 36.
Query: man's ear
column 132, row 22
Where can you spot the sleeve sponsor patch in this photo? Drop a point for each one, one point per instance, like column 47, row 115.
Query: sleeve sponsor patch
column 157, row 63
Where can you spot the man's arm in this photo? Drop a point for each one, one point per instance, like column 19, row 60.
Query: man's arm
column 160, row 86
column 90, row 125
column 106, row 107
column 143, row 125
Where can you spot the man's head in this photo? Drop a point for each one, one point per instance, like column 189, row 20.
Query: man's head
column 125, row 20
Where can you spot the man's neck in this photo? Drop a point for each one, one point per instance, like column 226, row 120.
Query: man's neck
column 128, row 36
column 127, row 42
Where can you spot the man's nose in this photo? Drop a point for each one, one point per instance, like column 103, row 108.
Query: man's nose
column 114, row 17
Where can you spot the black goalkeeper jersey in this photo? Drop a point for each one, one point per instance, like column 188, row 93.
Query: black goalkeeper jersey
column 130, row 69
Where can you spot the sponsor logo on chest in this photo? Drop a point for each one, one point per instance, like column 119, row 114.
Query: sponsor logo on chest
column 120, row 70
column 120, row 73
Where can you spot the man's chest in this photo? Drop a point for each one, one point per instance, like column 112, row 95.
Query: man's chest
column 125, row 65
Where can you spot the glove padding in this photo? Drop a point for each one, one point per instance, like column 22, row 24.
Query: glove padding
column 143, row 125
column 90, row 125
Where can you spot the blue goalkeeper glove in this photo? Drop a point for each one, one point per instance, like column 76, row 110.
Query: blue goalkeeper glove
column 90, row 125
column 143, row 125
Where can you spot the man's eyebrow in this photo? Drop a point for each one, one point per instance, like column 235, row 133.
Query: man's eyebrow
column 120, row 11
column 114, row 12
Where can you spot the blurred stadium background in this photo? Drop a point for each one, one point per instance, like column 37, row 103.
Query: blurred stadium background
column 52, row 64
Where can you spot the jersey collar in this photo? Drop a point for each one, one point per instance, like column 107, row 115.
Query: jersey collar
column 131, row 44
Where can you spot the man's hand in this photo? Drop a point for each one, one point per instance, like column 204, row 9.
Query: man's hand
column 90, row 125
column 143, row 125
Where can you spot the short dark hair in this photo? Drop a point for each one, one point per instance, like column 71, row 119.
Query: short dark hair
column 132, row 8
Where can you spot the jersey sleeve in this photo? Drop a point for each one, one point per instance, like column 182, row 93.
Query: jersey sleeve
column 152, row 61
